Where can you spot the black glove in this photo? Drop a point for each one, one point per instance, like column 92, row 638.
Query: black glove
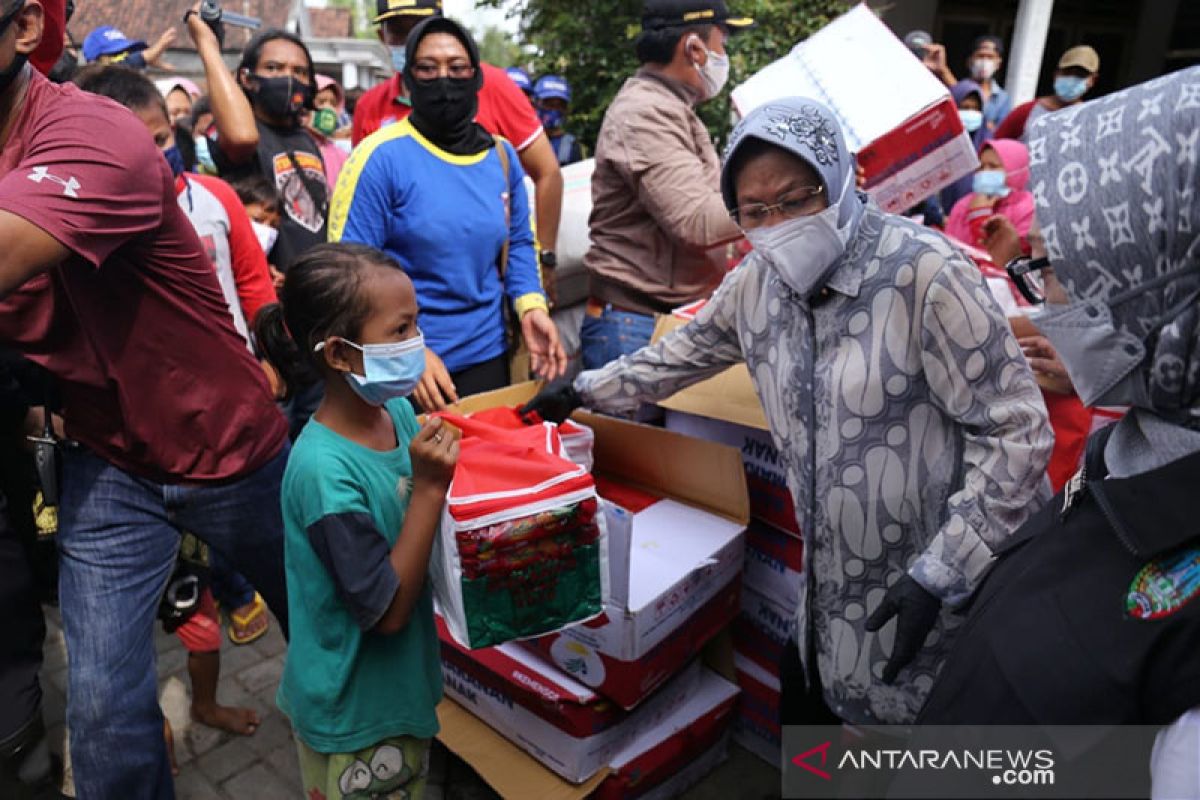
column 916, row 611
column 554, row 403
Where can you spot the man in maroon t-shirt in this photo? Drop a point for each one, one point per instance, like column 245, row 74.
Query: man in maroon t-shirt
column 172, row 426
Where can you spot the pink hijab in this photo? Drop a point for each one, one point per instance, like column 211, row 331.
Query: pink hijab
column 1017, row 206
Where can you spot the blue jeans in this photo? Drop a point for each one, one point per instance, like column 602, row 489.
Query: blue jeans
column 613, row 334
column 118, row 536
column 228, row 586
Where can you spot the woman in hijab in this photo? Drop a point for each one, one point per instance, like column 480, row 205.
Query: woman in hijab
column 447, row 200
column 914, row 436
column 1092, row 613
column 968, row 96
column 998, row 187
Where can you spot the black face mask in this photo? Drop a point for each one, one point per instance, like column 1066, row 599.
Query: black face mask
column 281, row 98
column 445, row 104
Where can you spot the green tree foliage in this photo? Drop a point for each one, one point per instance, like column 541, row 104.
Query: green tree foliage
column 497, row 47
column 591, row 45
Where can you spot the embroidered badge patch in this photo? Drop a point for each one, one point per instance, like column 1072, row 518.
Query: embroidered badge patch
column 1164, row 586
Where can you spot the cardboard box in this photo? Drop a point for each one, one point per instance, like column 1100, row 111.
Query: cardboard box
column 766, row 477
column 565, row 725
column 701, row 475
column 580, row 651
column 774, row 563
column 697, row 768
column 756, row 724
column 668, row 758
column 897, row 117
column 763, row 629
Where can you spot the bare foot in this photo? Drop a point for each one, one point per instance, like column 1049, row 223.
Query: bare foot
column 241, row 721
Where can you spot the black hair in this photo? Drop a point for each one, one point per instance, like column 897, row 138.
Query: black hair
column 257, row 189
column 202, row 106
column 253, row 54
column 127, row 86
column 186, row 145
column 352, row 97
column 995, row 41
column 322, row 296
column 657, row 46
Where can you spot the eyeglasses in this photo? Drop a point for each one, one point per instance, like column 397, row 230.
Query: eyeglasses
column 1026, row 273
column 800, row 202
column 430, row 72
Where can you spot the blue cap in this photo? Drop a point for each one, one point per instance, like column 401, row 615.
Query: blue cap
column 552, row 86
column 108, row 41
column 521, row 78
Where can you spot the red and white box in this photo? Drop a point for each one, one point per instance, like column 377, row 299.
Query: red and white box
column 763, row 629
column 766, row 476
column 676, row 588
column 676, row 754
column 774, row 563
column 897, row 117
column 756, row 724
column 565, row 725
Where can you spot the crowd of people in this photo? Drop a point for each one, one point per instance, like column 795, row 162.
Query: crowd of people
column 224, row 304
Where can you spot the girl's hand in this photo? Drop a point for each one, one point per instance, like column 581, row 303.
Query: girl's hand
column 434, row 452
column 436, row 389
column 547, row 358
column 1047, row 367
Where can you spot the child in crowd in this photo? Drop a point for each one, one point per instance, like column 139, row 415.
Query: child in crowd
column 261, row 201
column 362, row 498
column 998, row 188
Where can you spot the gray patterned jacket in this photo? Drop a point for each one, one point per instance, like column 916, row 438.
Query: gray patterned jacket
column 912, row 430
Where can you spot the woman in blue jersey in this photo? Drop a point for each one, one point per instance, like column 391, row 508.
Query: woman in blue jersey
column 447, row 200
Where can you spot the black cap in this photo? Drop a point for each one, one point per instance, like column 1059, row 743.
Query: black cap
column 386, row 9
column 659, row 14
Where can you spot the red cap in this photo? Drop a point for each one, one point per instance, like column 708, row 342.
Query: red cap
column 54, row 12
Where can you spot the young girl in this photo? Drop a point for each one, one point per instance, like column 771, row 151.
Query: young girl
column 362, row 497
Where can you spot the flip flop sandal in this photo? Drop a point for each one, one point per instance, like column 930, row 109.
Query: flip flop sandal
column 244, row 621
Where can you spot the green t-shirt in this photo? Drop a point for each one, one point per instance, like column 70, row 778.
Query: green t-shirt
column 346, row 687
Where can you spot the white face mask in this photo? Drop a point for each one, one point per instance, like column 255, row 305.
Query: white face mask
column 802, row 250
column 714, row 73
column 982, row 69
column 266, row 235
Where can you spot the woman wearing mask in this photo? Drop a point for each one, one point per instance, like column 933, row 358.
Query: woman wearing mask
column 329, row 126
column 913, row 433
column 968, row 96
column 1091, row 615
column 997, row 187
column 446, row 199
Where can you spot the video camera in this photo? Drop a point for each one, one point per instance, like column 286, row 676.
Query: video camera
column 217, row 18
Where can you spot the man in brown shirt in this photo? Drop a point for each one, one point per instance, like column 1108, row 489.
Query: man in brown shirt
column 658, row 224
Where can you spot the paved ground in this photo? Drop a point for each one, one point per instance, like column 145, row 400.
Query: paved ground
column 221, row 766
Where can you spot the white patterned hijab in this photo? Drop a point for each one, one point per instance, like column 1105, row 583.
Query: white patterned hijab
column 810, row 131
column 1115, row 184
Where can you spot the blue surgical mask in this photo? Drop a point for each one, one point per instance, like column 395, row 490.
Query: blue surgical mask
column 399, row 58
column 1070, row 88
column 972, row 120
column 175, row 159
column 204, row 159
column 392, row 370
column 552, row 119
column 990, row 182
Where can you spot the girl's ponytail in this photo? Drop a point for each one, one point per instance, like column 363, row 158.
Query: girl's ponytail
column 278, row 347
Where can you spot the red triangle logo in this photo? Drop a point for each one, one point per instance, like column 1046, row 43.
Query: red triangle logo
column 802, row 760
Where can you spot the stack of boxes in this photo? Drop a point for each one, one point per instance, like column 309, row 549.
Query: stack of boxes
column 620, row 706
column 725, row 410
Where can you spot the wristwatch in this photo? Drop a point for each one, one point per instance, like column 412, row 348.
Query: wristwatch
column 548, row 259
